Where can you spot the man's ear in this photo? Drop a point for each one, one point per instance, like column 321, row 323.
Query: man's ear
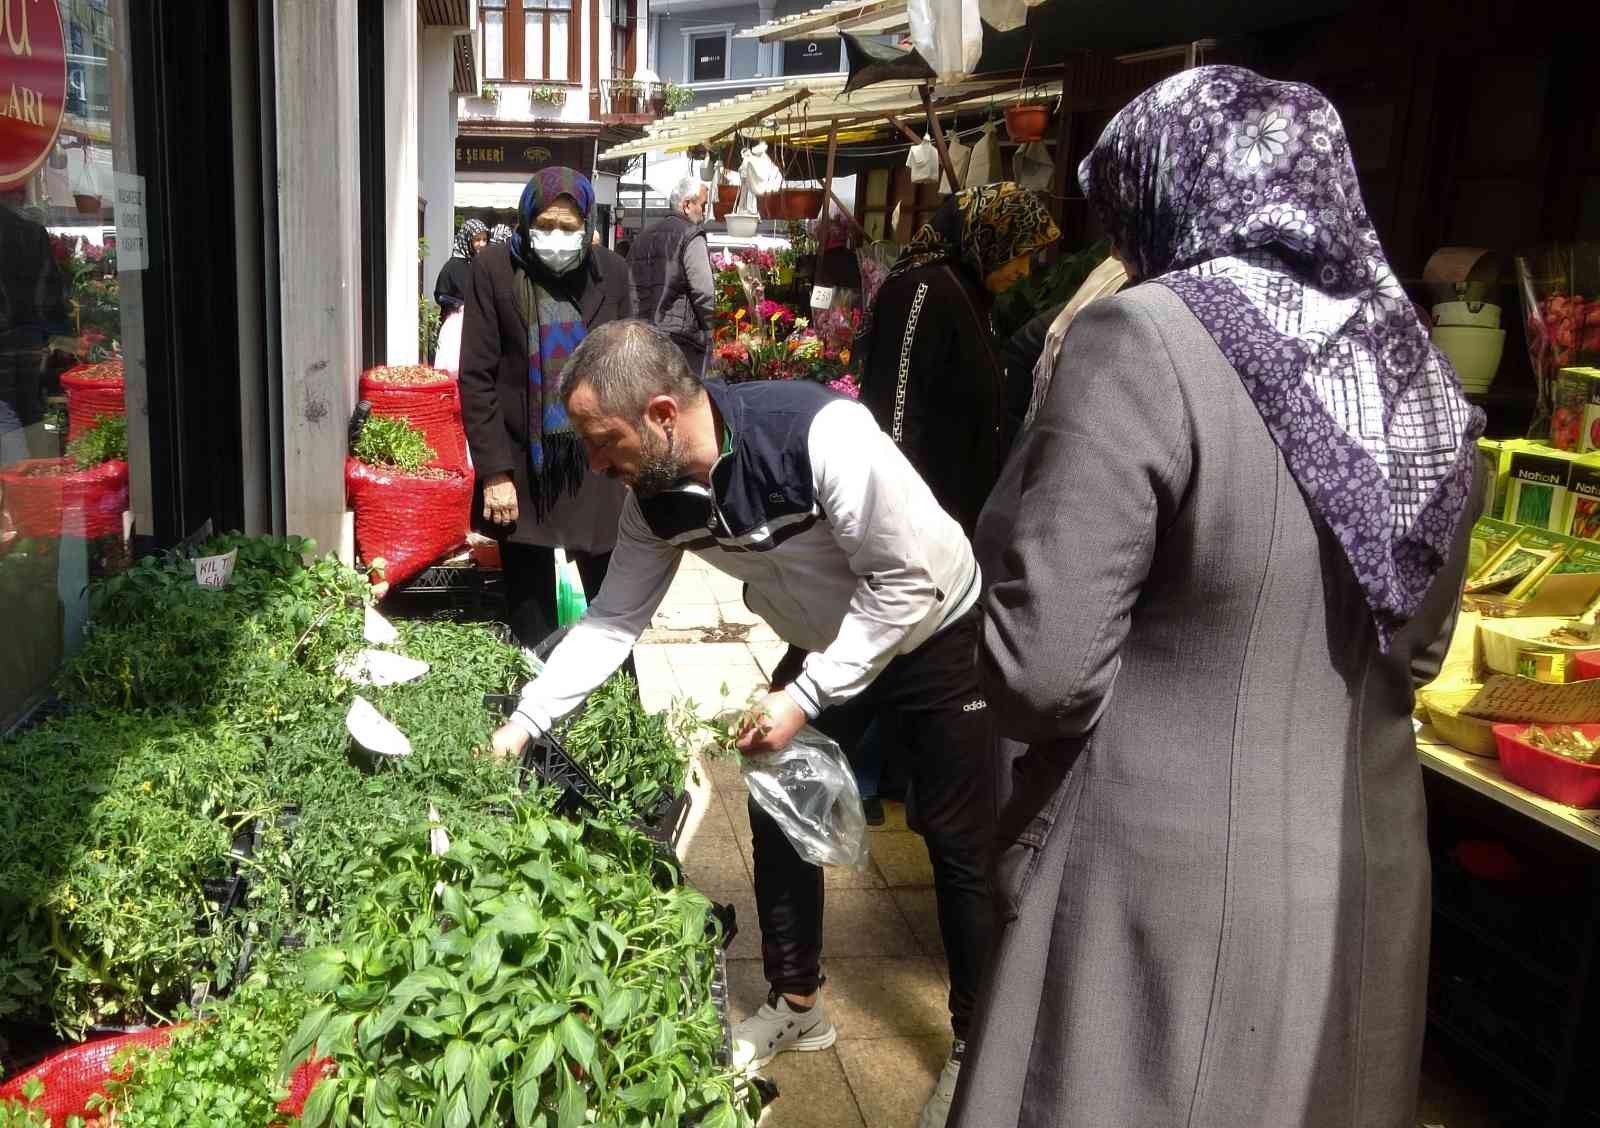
column 662, row 410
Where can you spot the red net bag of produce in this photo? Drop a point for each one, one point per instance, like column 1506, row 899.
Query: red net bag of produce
column 302, row 1081
column 410, row 521
column 77, row 1073
column 1560, row 288
column 426, row 398
column 93, row 390
column 46, row 497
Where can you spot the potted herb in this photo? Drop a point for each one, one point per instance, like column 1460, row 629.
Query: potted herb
column 409, row 510
column 550, row 95
column 625, row 94
column 679, row 98
column 490, row 92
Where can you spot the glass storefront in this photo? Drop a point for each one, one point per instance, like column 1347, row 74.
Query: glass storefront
column 71, row 349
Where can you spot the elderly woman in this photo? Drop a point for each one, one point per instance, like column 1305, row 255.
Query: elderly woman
column 930, row 375
column 450, row 290
column 1244, row 515
column 529, row 302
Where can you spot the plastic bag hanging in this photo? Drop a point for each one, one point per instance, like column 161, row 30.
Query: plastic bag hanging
column 760, row 171
column 571, row 602
column 948, row 34
column 960, row 160
column 983, row 167
column 1033, row 166
column 809, row 790
column 923, row 161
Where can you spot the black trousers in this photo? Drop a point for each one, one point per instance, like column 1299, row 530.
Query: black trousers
column 950, row 802
column 530, row 573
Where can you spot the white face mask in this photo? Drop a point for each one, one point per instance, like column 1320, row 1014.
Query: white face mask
column 558, row 250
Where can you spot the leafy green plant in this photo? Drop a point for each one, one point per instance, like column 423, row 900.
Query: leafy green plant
column 221, row 1070
column 638, row 757
column 103, row 442
column 111, row 825
column 1037, row 293
column 535, row 974
column 678, row 97
column 26, row 1113
column 393, row 444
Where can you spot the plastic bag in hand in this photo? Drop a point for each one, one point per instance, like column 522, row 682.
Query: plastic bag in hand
column 809, row 789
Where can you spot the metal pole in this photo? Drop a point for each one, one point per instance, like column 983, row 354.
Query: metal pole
column 938, row 138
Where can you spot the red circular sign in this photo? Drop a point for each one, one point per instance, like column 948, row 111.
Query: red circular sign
column 33, row 85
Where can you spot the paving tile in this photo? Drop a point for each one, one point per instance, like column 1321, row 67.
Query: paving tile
column 685, row 616
column 866, row 922
column 864, row 876
column 683, row 656
column 891, row 1078
column 734, row 611
column 879, row 997
column 747, row 987
column 747, row 942
column 902, row 856
column 894, row 818
column 812, row 1093
column 714, row 863
column 921, row 910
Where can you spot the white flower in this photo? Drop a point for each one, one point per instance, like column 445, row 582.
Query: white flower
column 1263, row 138
column 1218, row 92
column 1321, row 142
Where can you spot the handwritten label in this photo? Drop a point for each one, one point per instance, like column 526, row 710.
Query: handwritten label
column 215, row 571
column 821, row 297
column 132, row 254
column 1521, row 700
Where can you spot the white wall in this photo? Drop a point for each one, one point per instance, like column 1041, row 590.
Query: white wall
column 401, row 77
column 436, row 146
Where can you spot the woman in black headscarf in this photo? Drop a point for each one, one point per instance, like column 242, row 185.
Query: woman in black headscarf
column 450, row 288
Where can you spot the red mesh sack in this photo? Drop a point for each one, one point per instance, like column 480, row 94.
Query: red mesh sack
column 77, row 1073
column 93, row 390
column 79, row 503
column 434, row 408
column 408, row 521
column 302, row 1081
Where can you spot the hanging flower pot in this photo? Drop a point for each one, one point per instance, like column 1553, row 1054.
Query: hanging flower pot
column 727, row 196
column 791, row 203
column 87, row 205
column 1027, row 122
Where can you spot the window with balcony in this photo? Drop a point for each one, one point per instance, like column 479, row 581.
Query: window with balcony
column 531, row 40
column 623, row 19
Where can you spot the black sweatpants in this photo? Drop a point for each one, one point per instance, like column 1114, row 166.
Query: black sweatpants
column 950, row 802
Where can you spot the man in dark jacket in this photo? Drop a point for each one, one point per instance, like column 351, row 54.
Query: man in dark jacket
column 671, row 269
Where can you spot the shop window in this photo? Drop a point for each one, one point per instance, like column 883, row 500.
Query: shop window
column 623, row 19
column 706, row 51
column 811, row 56
column 72, row 248
column 531, row 40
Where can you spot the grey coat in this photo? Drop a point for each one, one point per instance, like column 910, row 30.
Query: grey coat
column 1218, row 918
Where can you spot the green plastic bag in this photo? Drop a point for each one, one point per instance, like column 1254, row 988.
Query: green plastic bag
column 571, row 602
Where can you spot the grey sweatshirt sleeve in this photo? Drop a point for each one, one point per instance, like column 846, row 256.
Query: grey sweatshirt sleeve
column 702, row 291
column 1103, row 470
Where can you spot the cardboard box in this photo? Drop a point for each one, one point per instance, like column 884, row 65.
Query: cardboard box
column 1575, row 419
column 1536, row 492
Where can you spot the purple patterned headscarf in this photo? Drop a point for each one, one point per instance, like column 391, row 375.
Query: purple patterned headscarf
column 1239, row 195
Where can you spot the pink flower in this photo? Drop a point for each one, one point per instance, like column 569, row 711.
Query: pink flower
column 770, row 311
column 846, row 386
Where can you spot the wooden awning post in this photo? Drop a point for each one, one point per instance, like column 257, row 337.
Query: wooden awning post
column 938, row 138
column 827, row 194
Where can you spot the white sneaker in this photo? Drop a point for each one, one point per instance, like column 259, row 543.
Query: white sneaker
column 937, row 1110
column 777, row 1027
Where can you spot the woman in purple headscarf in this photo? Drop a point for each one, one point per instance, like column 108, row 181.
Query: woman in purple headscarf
column 529, row 301
column 1242, row 528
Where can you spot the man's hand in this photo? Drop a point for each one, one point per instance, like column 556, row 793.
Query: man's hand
column 500, row 499
column 509, row 741
column 776, row 719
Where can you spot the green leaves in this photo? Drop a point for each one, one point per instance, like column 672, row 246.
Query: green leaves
column 393, row 444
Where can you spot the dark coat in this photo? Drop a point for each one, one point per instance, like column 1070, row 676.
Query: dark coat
column 494, row 366
column 954, row 390
column 450, row 288
column 666, row 296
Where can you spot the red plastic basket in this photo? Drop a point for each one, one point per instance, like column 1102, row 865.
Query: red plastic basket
column 1586, row 665
column 1545, row 773
column 434, row 409
column 89, row 400
column 83, row 503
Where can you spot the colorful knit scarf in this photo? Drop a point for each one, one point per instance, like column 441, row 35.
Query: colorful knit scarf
column 549, row 304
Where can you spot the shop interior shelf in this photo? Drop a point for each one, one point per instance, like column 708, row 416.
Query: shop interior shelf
column 1498, row 945
column 1529, row 1089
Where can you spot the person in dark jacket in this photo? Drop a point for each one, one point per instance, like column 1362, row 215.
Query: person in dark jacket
column 33, row 305
column 529, row 302
column 672, row 272
column 930, row 373
column 450, row 288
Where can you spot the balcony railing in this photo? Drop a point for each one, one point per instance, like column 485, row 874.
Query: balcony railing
column 627, row 101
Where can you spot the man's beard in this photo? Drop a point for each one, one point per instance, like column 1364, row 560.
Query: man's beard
column 660, row 468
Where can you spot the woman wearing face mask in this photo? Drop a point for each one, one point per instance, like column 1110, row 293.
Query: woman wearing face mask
column 528, row 304
column 930, row 374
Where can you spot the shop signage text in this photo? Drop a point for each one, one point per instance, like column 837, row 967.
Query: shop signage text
column 521, row 154
column 33, row 86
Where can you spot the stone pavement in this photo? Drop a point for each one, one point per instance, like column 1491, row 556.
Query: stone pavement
column 883, row 958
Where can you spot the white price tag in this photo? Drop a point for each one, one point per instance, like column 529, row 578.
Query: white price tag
column 380, row 668
column 373, row 731
column 215, row 571
column 378, row 630
column 821, row 297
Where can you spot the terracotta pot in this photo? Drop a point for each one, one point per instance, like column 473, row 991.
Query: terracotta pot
column 727, row 196
column 1027, row 123
column 87, row 205
column 791, row 203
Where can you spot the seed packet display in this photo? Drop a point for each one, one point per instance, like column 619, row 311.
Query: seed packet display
column 1583, row 484
column 1517, row 565
column 1575, row 421
column 1537, row 495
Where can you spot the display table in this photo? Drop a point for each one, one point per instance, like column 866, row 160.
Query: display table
column 1512, row 963
column 1482, row 774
